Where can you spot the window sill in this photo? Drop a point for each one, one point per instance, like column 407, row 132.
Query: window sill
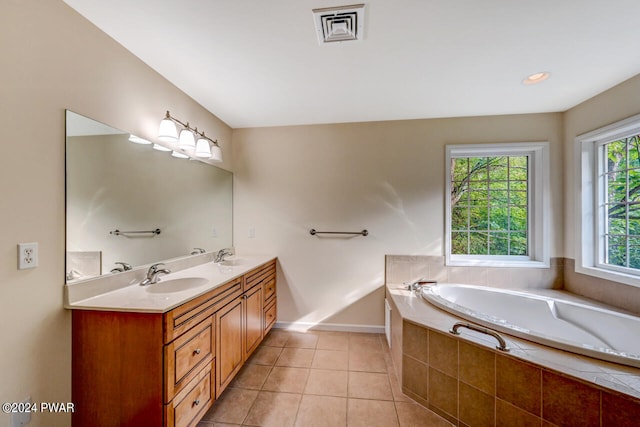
column 614, row 276
column 496, row 263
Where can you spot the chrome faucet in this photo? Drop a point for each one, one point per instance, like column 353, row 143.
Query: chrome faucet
column 124, row 267
column 223, row 253
column 197, row 251
column 416, row 285
column 153, row 273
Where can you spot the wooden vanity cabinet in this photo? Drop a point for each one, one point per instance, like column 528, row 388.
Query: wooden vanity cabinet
column 135, row 369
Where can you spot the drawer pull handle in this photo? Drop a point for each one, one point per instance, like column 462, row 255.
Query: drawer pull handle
column 196, row 351
column 196, row 402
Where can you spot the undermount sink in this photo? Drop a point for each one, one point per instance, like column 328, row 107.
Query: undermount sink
column 232, row 262
column 176, row 285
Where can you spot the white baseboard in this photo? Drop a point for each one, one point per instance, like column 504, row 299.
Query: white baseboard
column 339, row 327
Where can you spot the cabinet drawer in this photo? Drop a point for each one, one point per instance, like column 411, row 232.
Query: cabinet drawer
column 190, row 405
column 260, row 275
column 184, row 317
column 270, row 315
column 269, row 287
column 187, row 355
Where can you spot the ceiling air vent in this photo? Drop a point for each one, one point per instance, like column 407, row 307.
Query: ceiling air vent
column 339, row 24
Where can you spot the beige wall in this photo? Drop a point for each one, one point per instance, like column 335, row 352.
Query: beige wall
column 609, row 107
column 54, row 59
column 387, row 177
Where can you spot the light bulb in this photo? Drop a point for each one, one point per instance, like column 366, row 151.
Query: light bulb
column 179, row 155
column 160, row 147
column 216, row 153
column 203, row 149
column 138, row 140
column 187, row 140
column 167, row 131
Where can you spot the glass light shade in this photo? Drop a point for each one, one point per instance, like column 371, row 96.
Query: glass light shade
column 138, row 140
column 216, row 153
column 187, row 141
column 203, row 149
column 167, row 131
column 160, row 147
column 179, row 155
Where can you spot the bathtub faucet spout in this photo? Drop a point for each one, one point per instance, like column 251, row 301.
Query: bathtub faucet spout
column 416, row 285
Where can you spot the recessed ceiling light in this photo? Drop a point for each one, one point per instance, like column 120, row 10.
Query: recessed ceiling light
column 536, row 78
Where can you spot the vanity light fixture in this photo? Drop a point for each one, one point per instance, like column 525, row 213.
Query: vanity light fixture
column 186, row 141
column 205, row 147
column 179, row 155
column 138, row 140
column 167, row 131
column 160, row 147
column 216, row 153
column 202, row 148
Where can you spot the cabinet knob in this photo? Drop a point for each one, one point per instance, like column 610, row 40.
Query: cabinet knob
column 196, row 402
column 196, row 351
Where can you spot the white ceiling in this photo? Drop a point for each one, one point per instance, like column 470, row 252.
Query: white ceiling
column 258, row 63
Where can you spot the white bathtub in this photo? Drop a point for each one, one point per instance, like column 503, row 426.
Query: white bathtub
column 579, row 328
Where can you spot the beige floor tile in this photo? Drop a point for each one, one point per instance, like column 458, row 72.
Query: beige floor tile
column 369, row 385
column 276, row 338
column 285, row 379
column 365, row 343
column 213, row 424
column 296, row 357
column 331, row 359
column 333, row 341
column 414, row 415
column 327, row 383
column 322, row 411
column 265, row 355
column 251, row 377
column 367, row 361
column 273, row 410
column 371, row 413
column 232, row 407
column 302, row 340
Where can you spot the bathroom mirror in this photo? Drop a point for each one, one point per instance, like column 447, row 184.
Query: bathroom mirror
column 129, row 203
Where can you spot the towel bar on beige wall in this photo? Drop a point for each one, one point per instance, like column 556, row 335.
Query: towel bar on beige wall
column 122, row 233
column 313, row 232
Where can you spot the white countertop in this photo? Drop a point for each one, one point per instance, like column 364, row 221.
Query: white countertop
column 132, row 297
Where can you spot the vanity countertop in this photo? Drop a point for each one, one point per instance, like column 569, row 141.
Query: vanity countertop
column 131, row 297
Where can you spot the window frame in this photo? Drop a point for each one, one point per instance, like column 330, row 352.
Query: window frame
column 538, row 204
column 589, row 249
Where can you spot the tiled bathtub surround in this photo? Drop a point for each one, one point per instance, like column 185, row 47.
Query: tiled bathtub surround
column 466, row 381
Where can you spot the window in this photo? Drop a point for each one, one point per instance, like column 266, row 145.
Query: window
column 619, row 206
column 608, row 206
column 495, row 205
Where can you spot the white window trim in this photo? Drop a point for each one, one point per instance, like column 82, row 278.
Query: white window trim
column 538, row 204
column 588, row 243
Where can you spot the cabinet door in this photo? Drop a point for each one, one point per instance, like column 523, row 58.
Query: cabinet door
column 253, row 314
column 229, row 351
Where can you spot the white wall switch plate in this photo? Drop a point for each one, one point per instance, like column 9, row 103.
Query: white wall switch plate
column 27, row 255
